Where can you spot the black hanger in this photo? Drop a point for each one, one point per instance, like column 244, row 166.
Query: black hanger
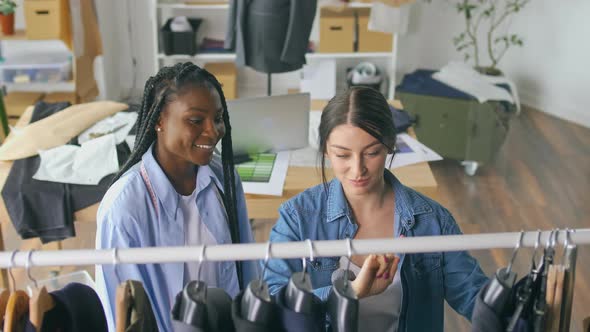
column 193, row 298
column 524, row 292
column 256, row 305
column 500, row 287
column 299, row 295
column 343, row 303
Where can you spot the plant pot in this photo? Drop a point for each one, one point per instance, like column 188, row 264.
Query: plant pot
column 490, row 71
column 7, row 22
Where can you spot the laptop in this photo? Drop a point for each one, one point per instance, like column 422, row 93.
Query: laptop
column 274, row 123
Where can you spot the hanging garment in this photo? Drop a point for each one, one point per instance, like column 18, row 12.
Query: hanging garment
column 140, row 317
column 218, row 313
column 484, row 318
column 550, row 296
column 77, row 308
column 555, row 309
column 244, row 325
column 379, row 312
column 300, row 322
column 46, row 209
column 271, row 36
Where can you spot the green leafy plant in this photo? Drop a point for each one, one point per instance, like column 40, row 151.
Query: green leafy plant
column 7, row 7
column 494, row 17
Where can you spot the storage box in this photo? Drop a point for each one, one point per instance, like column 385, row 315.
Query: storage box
column 184, row 42
column 47, row 19
column 371, row 41
column 17, row 72
column 337, row 29
column 226, row 74
column 451, row 123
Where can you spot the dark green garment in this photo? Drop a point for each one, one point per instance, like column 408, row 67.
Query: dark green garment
column 140, row 315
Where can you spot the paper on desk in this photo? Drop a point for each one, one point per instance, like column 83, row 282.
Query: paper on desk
column 119, row 124
column 86, row 164
column 267, row 176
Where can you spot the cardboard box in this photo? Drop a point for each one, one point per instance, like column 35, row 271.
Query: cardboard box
column 48, row 19
column 337, row 29
column 226, row 74
column 371, row 41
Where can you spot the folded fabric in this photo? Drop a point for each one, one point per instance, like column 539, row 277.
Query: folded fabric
column 180, row 24
column 462, row 77
column 57, row 129
column 86, row 164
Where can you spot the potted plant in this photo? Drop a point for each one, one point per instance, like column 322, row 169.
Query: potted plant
column 489, row 18
column 7, row 8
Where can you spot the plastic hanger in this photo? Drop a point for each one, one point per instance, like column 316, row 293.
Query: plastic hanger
column 299, row 295
column 343, row 303
column 193, row 301
column 500, row 286
column 256, row 305
column 18, row 304
column 523, row 293
column 40, row 302
column 122, row 298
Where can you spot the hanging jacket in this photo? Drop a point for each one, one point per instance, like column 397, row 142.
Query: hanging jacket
column 271, row 36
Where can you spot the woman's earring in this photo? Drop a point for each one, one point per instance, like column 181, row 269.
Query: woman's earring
column 158, row 129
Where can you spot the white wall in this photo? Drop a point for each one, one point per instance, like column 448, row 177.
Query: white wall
column 551, row 70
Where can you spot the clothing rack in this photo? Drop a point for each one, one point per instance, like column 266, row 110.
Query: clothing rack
column 285, row 250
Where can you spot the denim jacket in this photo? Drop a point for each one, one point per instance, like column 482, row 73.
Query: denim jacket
column 322, row 213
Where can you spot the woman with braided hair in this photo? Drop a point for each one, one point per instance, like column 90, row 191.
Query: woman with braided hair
column 173, row 192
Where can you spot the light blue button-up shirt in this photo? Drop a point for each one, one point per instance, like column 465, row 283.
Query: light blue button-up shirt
column 128, row 218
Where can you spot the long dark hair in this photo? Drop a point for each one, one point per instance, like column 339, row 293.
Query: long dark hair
column 159, row 91
column 361, row 107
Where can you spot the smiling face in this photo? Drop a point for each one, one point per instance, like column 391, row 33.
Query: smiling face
column 357, row 158
column 190, row 126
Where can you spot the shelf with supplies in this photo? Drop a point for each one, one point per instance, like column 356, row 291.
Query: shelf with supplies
column 47, row 87
column 361, row 45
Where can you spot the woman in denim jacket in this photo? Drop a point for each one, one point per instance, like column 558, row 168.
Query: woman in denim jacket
column 363, row 201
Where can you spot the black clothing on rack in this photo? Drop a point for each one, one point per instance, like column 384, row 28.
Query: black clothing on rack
column 218, row 317
column 300, row 322
column 46, row 209
column 77, row 308
column 244, row 325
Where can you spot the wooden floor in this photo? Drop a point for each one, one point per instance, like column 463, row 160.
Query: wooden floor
column 540, row 179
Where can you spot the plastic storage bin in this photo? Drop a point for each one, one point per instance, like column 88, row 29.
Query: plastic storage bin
column 31, row 70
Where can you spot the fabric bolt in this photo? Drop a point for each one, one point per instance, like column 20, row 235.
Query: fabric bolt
column 146, row 212
column 270, row 36
column 77, row 308
column 46, row 209
column 243, row 325
column 428, row 279
column 142, row 317
column 379, row 312
column 300, row 322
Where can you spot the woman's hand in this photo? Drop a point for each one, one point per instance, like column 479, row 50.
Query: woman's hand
column 376, row 275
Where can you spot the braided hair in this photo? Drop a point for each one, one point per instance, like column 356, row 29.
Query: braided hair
column 159, row 91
